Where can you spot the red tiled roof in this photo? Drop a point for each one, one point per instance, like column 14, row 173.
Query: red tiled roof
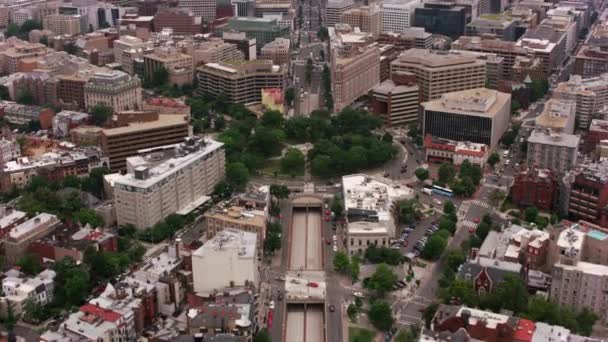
column 524, row 331
column 105, row 314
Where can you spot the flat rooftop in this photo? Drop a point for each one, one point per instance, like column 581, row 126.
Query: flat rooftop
column 479, row 102
column 32, row 224
column 166, row 120
column 230, row 239
column 436, row 58
column 556, row 139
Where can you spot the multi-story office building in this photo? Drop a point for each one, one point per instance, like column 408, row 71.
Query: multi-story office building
column 200, row 8
column 17, row 50
column 248, row 46
column 557, row 116
column 114, row 89
column 232, row 251
column 551, row 150
column 396, row 100
column 591, row 61
column 476, row 115
column 355, row 71
column 547, row 43
column 366, row 18
column 61, row 24
column 413, row 37
column 263, row 30
column 507, row 50
column 167, row 179
column 40, row 84
column 277, row 51
column 578, row 284
column 590, row 95
column 490, row 25
column 440, row 72
column 442, row 17
column 273, row 8
column 335, row 8
column 9, row 150
column 397, row 17
column 535, row 187
column 243, row 8
column 588, row 193
column 598, row 131
column 127, row 49
column 215, row 51
column 241, row 82
column 179, row 66
column 239, row 218
column 19, row 114
column 180, row 20
column 20, row 237
column 566, row 25
column 154, row 130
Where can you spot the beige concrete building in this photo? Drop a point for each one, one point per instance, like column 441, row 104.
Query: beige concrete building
column 166, row 180
column 440, row 72
column 5, row 15
column 21, row 236
column 590, row 95
column 552, row 150
column 13, row 50
column 558, row 116
column 180, row 66
column 215, row 51
column 127, row 49
column 335, row 8
column 476, row 115
column 239, row 218
column 396, row 102
column 61, row 24
column 154, row 130
column 277, row 51
column 366, row 18
column 355, row 72
column 114, row 89
column 240, row 81
column 361, row 235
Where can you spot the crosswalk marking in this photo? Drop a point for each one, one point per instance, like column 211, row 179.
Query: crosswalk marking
column 469, row 224
column 482, row 204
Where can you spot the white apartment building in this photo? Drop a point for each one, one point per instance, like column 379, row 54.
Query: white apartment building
column 61, row 24
column 229, row 259
column 558, row 116
column 370, row 205
column 551, row 150
column 132, row 44
column 397, row 17
column 9, row 150
column 115, row 89
column 168, row 179
column 18, row 290
column 590, row 95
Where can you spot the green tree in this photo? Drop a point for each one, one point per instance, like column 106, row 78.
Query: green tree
column 272, row 242
column 482, row 230
column 447, row 224
column 26, row 97
column 434, row 247
column 496, row 197
column 321, row 166
column 160, row 77
column 72, row 283
column 341, row 262
column 409, row 211
column 293, row 162
column 352, row 311
column 262, row 336
column 29, row 25
column 429, row 313
column 237, row 174
column 322, row 34
column 515, row 106
column 290, row 95
column 88, row 216
column 454, row 258
column 279, row 191
column 408, row 335
column 223, row 190
column 336, row 207
column 327, row 92
column 11, row 30
column 422, row 174
column 449, row 208
column 30, row 264
column 70, row 48
column 4, row 93
column 381, row 316
column 308, row 71
column 460, row 291
column 354, row 268
column 382, row 280
column 273, row 119
column 94, row 183
column 512, row 293
column 446, row 173
column 101, row 114
column 44, row 40
column 530, row 214
column 493, row 159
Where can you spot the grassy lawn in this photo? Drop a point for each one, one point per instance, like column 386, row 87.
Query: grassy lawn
column 273, row 167
column 360, row 335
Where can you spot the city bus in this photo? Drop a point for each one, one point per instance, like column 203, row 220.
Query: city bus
column 442, row 191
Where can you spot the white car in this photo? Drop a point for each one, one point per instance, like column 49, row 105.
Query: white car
column 271, row 306
column 358, row 295
column 436, row 201
column 335, row 248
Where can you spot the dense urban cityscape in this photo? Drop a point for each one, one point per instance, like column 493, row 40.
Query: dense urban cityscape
column 304, row 170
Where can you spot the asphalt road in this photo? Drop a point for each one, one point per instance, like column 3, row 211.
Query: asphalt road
column 314, row 324
column 295, row 323
column 297, row 258
column 314, row 254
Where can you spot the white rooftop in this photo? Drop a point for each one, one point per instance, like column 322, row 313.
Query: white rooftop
column 492, row 319
column 11, row 218
column 571, row 240
column 230, row 239
column 32, row 224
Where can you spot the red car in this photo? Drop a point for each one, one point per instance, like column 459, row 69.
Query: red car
column 327, row 218
column 327, row 241
column 404, row 243
column 327, row 212
column 312, row 284
column 471, row 230
column 476, row 220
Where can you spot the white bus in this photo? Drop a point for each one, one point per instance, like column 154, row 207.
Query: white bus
column 427, row 191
